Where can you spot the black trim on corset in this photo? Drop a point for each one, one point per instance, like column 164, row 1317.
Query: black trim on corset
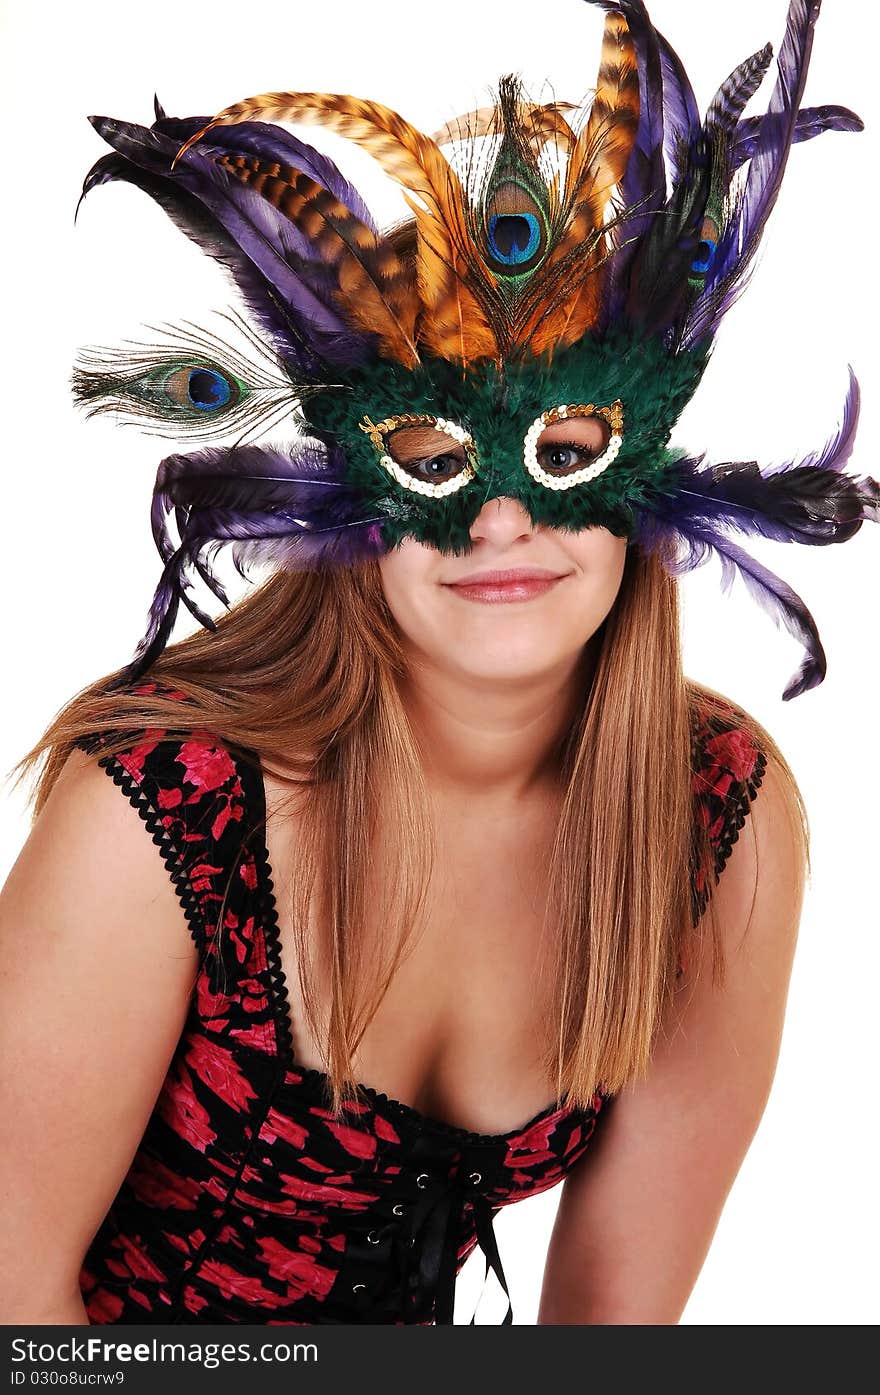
column 251, row 777
column 739, row 813
column 735, row 816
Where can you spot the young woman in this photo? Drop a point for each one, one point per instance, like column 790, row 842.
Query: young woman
column 437, row 919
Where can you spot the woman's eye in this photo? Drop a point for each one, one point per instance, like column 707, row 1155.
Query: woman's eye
column 427, row 453
column 437, row 468
column 564, row 459
column 585, row 439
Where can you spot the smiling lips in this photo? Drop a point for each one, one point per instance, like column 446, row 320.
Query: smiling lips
column 513, row 584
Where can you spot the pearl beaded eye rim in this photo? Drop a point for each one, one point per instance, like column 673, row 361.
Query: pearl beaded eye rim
column 613, row 415
column 377, row 431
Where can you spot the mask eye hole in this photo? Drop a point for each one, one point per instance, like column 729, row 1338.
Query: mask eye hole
column 573, row 443
column 566, row 446
column 425, row 454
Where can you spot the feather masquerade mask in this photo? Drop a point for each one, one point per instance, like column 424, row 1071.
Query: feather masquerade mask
column 563, row 266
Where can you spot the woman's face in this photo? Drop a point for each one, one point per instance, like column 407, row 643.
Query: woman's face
column 517, row 637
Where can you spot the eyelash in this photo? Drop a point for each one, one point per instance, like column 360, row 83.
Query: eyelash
column 572, row 445
column 436, row 455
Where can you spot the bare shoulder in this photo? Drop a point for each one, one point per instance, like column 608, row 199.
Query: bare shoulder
column 88, row 897
column 734, row 1028
column 759, row 896
column 730, row 1032
column 88, row 845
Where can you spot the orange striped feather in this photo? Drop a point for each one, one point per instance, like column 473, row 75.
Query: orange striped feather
column 596, row 165
column 608, row 138
column 377, row 292
column 416, row 162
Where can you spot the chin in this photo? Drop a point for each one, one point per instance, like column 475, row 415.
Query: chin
column 504, row 661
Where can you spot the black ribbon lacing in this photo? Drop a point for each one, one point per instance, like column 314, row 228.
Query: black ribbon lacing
column 426, row 1239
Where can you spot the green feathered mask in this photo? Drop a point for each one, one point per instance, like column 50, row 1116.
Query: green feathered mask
column 533, row 332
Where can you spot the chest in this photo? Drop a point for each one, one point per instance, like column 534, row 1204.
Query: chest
column 460, row 1032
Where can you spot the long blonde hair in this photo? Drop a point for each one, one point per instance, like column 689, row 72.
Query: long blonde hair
column 312, row 662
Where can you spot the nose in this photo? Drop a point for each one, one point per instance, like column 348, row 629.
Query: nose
column 502, row 520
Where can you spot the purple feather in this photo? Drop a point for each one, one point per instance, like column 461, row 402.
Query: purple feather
column 838, row 449
column 268, row 240
column 269, row 142
column 192, row 218
column 249, row 494
column 802, row 503
column 293, row 509
column 766, row 170
column 643, row 186
column 160, row 623
column 754, row 202
column 807, row 501
column 772, row 593
column 811, row 501
column 681, row 113
column 811, row 121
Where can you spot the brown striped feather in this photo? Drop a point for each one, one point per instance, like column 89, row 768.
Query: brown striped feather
column 415, row 161
column 596, row 165
column 454, row 324
column 377, row 293
column 615, row 109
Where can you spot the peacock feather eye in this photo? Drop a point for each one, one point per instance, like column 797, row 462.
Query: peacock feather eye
column 512, row 226
column 516, row 229
column 201, row 387
column 705, row 255
column 703, row 260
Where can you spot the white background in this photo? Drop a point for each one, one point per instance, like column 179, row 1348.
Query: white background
column 798, row 1238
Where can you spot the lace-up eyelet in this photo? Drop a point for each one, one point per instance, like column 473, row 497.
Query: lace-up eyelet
column 398, row 1209
column 357, row 1288
column 475, row 1178
column 374, row 1238
column 423, row 1179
